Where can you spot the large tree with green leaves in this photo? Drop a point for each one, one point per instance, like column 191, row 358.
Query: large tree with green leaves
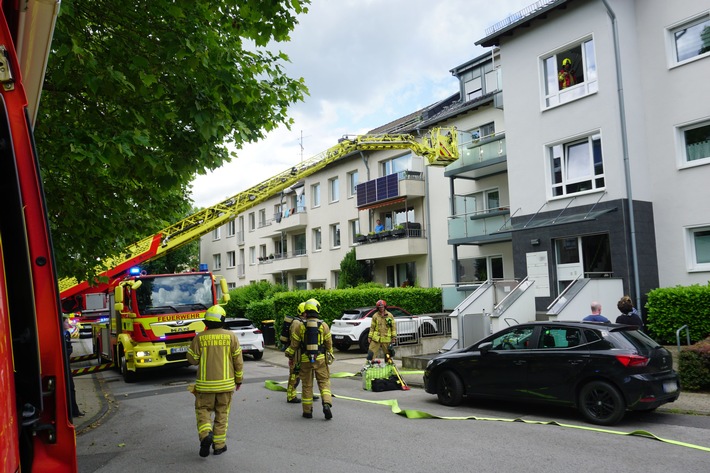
column 138, row 98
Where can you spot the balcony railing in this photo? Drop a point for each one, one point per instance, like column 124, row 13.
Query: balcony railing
column 411, row 230
column 480, row 225
column 482, row 152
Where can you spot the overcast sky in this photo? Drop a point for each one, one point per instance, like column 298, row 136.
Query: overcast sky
column 365, row 63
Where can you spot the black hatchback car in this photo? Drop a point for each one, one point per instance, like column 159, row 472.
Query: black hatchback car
column 601, row 369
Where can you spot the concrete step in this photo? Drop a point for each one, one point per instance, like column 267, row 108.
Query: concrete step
column 417, row 362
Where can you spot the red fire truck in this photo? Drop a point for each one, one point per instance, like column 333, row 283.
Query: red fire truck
column 37, row 432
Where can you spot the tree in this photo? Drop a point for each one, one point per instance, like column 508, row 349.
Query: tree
column 139, row 98
column 352, row 271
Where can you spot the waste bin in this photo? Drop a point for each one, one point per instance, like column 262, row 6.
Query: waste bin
column 267, row 328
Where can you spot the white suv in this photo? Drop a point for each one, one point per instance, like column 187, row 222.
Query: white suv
column 354, row 326
column 250, row 338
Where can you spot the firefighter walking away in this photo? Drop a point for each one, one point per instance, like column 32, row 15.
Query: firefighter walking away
column 218, row 357
column 313, row 340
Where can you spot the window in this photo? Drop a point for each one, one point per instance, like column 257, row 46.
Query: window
column 262, row 251
column 401, row 163
column 480, row 269
column 690, row 40
column 231, row 259
column 334, row 189
column 569, row 74
column 473, row 88
column 577, row 166
column 482, row 131
column 252, row 222
column 216, row 262
column 513, row 339
column 559, row 337
column 317, row 239
column 299, row 244
column 315, row 195
column 492, row 199
column 231, row 228
column 492, row 80
column 215, row 233
column 352, row 183
column 699, row 249
column 695, row 143
column 262, row 218
column 354, row 230
column 240, row 231
column 252, row 255
column 335, row 235
column 401, row 275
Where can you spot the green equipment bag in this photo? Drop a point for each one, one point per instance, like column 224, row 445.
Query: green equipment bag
column 376, row 371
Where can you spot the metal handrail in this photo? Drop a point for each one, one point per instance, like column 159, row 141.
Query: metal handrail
column 677, row 336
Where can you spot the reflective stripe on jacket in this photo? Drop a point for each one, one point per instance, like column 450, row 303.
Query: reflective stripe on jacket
column 298, row 336
column 383, row 328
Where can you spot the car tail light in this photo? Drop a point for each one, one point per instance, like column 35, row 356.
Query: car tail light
column 257, row 330
column 353, row 323
column 632, row 360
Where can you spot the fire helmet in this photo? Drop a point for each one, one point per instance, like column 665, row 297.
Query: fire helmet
column 381, row 303
column 215, row 314
column 301, row 308
column 566, row 62
column 312, row 304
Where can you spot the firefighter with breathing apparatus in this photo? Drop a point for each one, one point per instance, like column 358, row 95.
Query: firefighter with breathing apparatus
column 383, row 333
column 313, row 340
column 294, row 362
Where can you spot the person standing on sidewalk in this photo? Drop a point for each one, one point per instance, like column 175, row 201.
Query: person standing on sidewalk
column 316, row 348
column 383, row 332
column 218, row 355
column 294, row 363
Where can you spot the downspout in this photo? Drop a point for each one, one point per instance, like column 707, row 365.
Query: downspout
column 430, row 264
column 625, row 150
column 367, row 178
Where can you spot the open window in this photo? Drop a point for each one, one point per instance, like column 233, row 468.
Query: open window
column 569, row 73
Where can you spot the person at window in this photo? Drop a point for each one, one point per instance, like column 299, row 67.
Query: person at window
column 379, row 227
column 566, row 74
column 596, row 315
column 629, row 314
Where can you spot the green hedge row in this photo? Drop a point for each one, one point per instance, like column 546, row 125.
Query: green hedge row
column 694, row 367
column 334, row 301
column 669, row 309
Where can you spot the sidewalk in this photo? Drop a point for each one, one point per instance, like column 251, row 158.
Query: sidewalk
column 96, row 402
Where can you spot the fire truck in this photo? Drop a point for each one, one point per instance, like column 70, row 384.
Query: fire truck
column 148, row 324
column 35, row 409
column 153, row 318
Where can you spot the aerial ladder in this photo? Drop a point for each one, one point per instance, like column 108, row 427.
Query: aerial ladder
column 439, row 147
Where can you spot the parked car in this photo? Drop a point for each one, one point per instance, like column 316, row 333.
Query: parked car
column 602, row 370
column 250, row 338
column 353, row 327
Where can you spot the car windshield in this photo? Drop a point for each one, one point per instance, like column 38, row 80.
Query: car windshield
column 352, row 314
column 238, row 324
column 174, row 293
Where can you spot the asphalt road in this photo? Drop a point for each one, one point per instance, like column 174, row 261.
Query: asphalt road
column 151, row 427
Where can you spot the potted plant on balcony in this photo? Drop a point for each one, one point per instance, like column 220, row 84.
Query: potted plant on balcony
column 360, row 238
column 398, row 230
column 372, row 236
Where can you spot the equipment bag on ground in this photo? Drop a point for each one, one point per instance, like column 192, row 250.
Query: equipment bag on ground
column 376, row 372
column 390, row 384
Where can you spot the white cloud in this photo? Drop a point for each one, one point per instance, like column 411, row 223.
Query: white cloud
column 366, row 63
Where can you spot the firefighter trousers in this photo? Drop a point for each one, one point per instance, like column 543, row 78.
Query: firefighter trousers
column 322, row 375
column 375, row 347
column 293, row 379
column 205, row 405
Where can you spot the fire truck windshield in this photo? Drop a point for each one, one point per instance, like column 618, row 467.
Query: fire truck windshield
column 174, row 293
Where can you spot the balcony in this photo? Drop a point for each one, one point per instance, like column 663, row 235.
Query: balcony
column 291, row 220
column 283, row 262
column 393, row 243
column 480, row 228
column 401, row 184
column 480, row 158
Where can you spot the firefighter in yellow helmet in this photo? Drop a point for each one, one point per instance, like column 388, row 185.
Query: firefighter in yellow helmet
column 566, row 74
column 383, row 332
column 312, row 339
column 218, row 357
column 294, row 363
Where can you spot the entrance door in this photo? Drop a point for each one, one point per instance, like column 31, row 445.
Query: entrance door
column 587, row 256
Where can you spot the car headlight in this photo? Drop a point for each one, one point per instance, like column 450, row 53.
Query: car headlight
column 141, row 354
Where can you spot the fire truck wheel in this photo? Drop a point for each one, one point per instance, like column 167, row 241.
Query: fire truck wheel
column 128, row 375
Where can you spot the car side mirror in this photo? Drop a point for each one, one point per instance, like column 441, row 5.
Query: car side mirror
column 485, row 347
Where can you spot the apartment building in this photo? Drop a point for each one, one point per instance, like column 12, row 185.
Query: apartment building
column 608, row 141
column 299, row 237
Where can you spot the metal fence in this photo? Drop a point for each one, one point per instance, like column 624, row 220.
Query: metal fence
column 411, row 330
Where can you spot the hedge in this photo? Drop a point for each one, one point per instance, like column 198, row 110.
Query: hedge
column 669, row 309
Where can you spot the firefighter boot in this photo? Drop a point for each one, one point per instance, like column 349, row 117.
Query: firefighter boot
column 205, row 445
column 219, row 451
column 295, row 400
column 326, row 411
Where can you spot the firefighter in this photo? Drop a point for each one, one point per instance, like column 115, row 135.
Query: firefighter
column 566, row 74
column 383, row 333
column 218, row 355
column 294, row 363
column 312, row 339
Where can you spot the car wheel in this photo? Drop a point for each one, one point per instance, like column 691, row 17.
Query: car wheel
column 364, row 344
column 449, row 389
column 342, row 347
column 601, row 403
column 258, row 355
column 128, row 375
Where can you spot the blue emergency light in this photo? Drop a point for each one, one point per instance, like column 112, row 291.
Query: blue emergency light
column 134, row 271
column 203, row 267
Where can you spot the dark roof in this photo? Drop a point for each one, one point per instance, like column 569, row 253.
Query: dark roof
column 524, row 17
column 457, row 108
